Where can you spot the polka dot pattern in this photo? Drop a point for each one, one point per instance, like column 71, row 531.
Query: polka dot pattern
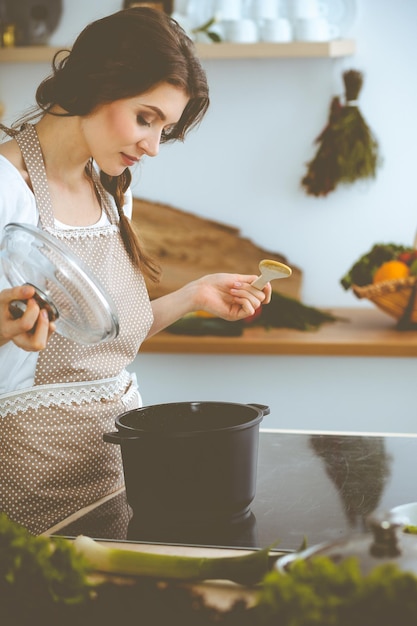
column 54, row 462
column 54, row 459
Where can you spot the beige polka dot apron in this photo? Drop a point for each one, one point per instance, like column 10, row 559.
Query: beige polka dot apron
column 53, row 457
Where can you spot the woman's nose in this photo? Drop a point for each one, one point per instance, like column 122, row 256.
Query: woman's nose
column 150, row 144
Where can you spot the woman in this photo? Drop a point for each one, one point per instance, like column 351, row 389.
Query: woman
column 130, row 82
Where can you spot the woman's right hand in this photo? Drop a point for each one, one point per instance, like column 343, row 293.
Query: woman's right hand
column 29, row 332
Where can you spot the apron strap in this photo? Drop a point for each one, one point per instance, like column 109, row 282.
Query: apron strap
column 28, row 141
column 30, row 147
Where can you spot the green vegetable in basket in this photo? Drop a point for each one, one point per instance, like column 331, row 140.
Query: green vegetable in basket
column 362, row 271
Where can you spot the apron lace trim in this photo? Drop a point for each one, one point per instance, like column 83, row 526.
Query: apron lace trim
column 69, row 393
column 83, row 233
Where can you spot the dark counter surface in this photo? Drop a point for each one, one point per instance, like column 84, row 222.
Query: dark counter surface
column 311, row 486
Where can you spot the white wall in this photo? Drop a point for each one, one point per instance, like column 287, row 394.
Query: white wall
column 318, row 393
column 243, row 166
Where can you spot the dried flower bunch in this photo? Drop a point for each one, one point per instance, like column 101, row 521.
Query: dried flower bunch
column 347, row 149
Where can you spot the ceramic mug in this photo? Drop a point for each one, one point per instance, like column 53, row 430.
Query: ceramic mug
column 228, row 10
column 265, row 9
column 307, row 9
column 241, row 31
column 315, row 29
column 278, row 30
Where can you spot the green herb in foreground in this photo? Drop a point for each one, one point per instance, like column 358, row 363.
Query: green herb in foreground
column 322, row 593
column 37, row 574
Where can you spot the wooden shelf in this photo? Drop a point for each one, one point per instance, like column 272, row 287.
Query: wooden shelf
column 364, row 332
column 27, row 54
column 335, row 48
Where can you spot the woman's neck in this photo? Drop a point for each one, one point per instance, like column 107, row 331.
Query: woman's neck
column 65, row 154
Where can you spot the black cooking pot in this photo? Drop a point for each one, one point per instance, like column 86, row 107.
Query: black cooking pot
column 190, row 462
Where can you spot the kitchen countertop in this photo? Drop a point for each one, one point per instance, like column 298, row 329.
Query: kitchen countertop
column 311, row 486
column 364, row 332
column 315, row 484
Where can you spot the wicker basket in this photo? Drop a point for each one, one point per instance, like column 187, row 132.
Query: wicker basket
column 398, row 298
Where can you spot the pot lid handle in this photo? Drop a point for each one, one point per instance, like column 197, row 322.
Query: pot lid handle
column 384, row 529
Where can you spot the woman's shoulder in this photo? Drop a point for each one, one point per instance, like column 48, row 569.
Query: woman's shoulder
column 17, row 202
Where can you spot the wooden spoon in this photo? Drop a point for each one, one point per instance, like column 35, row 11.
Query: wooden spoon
column 270, row 270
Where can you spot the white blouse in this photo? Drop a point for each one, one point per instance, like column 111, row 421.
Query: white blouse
column 17, row 204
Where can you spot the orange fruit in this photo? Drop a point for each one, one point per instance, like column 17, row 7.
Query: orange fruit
column 391, row 270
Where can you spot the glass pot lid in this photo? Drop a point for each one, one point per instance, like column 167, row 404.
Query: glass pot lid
column 73, row 297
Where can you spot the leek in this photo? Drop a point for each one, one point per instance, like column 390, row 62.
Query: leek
column 247, row 569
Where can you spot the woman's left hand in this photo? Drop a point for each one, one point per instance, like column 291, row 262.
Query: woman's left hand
column 230, row 296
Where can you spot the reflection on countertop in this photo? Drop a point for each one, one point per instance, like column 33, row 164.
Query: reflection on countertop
column 311, row 486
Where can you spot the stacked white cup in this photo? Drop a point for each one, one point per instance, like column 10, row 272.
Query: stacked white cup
column 234, row 25
column 310, row 21
column 272, row 27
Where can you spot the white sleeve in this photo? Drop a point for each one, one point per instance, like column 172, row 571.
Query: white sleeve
column 17, row 204
column 128, row 205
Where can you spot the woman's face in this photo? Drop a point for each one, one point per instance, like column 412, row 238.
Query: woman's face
column 120, row 133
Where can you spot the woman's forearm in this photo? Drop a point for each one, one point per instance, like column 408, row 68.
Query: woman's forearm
column 171, row 307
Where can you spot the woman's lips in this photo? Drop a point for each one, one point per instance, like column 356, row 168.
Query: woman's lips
column 128, row 159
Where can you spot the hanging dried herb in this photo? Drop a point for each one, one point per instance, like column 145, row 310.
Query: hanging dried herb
column 347, row 149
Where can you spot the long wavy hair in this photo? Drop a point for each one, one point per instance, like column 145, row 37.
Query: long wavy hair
column 121, row 56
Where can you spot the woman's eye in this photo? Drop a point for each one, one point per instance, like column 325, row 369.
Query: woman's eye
column 142, row 121
column 167, row 132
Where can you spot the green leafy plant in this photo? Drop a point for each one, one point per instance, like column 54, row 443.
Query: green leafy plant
column 282, row 312
column 206, row 29
column 286, row 312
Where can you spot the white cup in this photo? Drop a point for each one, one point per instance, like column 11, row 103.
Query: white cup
column 315, row 29
column 228, row 10
column 279, row 30
column 241, row 31
column 265, row 9
column 307, row 9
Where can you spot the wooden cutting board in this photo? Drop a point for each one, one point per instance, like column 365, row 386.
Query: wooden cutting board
column 187, row 246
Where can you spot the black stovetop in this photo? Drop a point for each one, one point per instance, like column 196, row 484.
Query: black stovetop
column 311, row 487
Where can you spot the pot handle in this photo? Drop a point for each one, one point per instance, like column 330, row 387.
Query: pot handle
column 112, row 437
column 261, row 407
column 117, row 438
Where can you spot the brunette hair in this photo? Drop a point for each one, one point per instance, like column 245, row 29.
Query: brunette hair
column 120, row 56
